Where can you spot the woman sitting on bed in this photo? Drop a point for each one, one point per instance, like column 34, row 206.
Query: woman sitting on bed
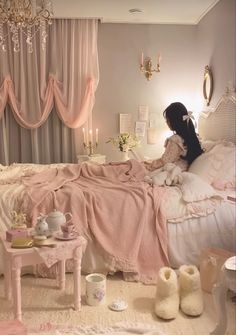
column 183, row 147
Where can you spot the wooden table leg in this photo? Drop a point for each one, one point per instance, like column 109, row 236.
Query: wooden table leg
column 16, row 287
column 7, row 276
column 62, row 270
column 77, row 278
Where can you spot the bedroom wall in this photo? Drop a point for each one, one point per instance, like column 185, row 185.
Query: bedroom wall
column 122, row 87
column 185, row 51
column 216, row 40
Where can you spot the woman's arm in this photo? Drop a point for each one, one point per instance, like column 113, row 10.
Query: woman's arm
column 172, row 154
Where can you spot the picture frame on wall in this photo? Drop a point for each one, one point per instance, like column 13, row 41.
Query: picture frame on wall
column 126, row 123
column 140, row 128
column 143, row 113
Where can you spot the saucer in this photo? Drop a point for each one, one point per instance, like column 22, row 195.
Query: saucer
column 230, row 264
column 118, row 305
column 59, row 236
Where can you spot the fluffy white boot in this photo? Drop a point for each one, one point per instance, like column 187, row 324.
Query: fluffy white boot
column 191, row 301
column 167, row 295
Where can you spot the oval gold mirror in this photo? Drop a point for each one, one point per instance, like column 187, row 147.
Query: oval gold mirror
column 207, row 85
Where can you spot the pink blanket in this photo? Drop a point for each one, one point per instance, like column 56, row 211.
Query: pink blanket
column 114, row 206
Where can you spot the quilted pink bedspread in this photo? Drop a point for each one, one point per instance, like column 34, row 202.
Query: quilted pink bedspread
column 111, row 204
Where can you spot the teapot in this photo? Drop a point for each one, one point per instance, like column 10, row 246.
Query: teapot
column 41, row 227
column 56, row 218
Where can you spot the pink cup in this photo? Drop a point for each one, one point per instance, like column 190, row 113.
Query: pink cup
column 67, row 230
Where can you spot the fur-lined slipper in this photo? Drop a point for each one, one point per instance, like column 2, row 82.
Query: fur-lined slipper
column 167, row 295
column 191, row 300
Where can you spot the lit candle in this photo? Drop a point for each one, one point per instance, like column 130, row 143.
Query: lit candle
column 84, row 138
column 142, row 59
column 96, row 135
column 90, row 136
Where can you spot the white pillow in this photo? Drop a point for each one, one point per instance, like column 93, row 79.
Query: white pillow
column 196, row 189
column 207, row 145
column 217, row 162
column 10, row 172
column 2, row 167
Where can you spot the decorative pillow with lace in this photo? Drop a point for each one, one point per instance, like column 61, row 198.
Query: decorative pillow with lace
column 217, row 166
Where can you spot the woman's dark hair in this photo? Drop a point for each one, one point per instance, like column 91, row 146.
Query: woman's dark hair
column 184, row 128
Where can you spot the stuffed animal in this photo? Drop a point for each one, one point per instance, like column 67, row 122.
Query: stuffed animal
column 169, row 174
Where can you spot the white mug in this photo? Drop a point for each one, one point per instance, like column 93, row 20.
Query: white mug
column 95, row 289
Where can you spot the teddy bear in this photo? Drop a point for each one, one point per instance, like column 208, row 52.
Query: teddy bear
column 169, row 174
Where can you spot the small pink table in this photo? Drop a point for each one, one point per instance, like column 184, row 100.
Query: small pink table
column 14, row 259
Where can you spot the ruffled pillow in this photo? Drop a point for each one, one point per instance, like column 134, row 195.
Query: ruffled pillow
column 207, row 145
column 196, row 189
column 2, row 167
column 217, row 164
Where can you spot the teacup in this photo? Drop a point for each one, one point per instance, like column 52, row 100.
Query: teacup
column 67, row 230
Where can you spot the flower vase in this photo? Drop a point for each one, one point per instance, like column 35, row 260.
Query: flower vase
column 124, row 156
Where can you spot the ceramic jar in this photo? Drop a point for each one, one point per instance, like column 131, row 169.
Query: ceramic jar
column 56, row 218
column 95, row 289
column 41, row 227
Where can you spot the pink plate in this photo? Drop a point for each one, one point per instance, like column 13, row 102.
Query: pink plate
column 59, row 236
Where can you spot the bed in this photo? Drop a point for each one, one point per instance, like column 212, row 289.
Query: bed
column 205, row 218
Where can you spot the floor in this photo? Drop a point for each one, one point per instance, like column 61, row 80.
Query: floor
column 42, row 302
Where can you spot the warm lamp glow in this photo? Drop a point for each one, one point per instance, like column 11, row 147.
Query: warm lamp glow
column 152, row 135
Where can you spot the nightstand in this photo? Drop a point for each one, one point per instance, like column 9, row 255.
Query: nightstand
column 14, row 259
column 97, row 158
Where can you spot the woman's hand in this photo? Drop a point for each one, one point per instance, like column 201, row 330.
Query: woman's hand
column 148, row 165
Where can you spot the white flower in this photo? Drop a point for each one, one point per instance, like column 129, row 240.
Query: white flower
column 124, row 142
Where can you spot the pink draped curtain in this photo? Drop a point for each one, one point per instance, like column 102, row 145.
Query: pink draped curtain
column 65, row 75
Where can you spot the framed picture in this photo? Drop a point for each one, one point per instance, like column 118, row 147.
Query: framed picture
column 140, row 128
column 126, row 124
column 143, row 113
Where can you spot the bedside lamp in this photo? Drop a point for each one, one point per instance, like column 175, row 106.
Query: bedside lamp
column 152, row 135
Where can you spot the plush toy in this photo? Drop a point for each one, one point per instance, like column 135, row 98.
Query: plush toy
column 169, row 174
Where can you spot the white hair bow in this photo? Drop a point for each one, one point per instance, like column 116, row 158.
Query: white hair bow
column 188, row 117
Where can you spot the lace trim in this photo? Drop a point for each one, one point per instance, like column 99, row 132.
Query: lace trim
column 197, row 211
column 113, row 264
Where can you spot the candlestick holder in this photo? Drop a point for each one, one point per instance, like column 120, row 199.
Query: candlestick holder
column 90, row 147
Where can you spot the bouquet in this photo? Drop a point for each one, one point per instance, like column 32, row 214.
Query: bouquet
column 124, row 142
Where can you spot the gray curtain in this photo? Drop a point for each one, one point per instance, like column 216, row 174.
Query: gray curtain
column 53, row 142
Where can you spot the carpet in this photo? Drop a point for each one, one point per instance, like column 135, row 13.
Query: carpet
column 118, row 329
column 42, row 302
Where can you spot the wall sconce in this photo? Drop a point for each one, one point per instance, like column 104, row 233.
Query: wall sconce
column 146, row 66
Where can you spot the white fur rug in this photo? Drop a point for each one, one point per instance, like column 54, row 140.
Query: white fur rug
column 118, row 329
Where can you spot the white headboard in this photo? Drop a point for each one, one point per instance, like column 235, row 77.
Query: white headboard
column 220, row 123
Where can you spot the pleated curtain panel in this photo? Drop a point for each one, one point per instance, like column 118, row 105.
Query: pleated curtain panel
column 63, row 77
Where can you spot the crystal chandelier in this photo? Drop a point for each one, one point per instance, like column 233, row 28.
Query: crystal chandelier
column 25, row 17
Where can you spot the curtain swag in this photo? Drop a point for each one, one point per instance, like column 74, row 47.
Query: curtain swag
column 67, row 76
